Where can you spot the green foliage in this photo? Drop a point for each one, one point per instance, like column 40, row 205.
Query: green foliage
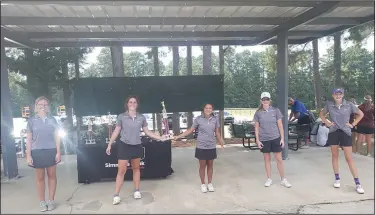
column 361, row 33
column 247, row 73
column 357, row 72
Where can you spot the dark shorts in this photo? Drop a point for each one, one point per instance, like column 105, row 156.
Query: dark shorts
column 304, row 120
column 43, row 158
column 206, row 154
column 129, row 152
column 365, row 130
column 340, row 138
column 271, row 146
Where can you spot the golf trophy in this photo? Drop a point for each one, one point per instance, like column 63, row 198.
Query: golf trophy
column 90, row 139
column 165, row 121
column 110, row 128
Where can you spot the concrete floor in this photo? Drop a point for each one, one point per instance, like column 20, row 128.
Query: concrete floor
column 238, row 178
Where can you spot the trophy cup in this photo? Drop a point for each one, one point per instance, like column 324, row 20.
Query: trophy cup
column 90, row 132
column 110, row 128
column 165, row 120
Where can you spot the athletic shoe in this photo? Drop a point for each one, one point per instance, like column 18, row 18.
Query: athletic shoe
column 43, row 206
column 337, row 184
column 359, row 189
column 304, row 147
column 51, row 205
column 285, row 183
column 369, row 155
column 116, row 200
column 137, row 195
column 268, row 182
column 204, row 189
column 210, row 187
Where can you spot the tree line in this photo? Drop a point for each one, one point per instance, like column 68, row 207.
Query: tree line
column 247, row 73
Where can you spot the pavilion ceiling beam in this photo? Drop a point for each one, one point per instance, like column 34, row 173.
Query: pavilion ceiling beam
column 76, row 21
column 277, row 3
column 310, row 15
column 154, row 34
column 150, row 43
column 19, row 40
column 340, row 28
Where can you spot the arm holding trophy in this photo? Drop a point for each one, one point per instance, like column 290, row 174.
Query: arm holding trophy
column 188, row 131
column 150, row 133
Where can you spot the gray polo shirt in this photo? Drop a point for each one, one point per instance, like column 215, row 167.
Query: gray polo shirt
column 267, row 120
column 131, row 127
column 43, row 132
column 340, row 115
column 206, row 131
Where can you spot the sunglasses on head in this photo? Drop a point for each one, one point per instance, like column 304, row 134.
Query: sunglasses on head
column 265, row 99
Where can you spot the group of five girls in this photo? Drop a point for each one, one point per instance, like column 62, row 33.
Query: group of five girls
column 43, row 143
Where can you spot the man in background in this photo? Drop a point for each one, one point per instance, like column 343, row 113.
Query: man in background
column 300, row 113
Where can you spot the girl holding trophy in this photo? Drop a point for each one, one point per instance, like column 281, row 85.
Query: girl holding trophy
column 129, row 125
column 208, row 133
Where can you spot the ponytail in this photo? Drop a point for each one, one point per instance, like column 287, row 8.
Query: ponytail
column 259, row 108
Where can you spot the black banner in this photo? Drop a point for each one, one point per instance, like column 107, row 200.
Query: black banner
column 98, row 96
column 93, row 164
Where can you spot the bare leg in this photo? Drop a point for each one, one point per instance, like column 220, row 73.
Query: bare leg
column 354, row 141
column 369, row 143
column 268, row 166
column 359, row 142
column 122, row 169
column 209, row 170
column 40, row 175
column 350, row 161
column 202, row 170
column 136, row 173
column 52, row 181
column 278, row 158
column 334, row 149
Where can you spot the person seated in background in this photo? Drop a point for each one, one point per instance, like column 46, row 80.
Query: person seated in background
column 300, row 113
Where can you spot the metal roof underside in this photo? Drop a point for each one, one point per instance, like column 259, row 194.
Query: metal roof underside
column 38, row 24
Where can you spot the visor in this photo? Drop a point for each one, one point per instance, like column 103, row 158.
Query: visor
column 338, row 90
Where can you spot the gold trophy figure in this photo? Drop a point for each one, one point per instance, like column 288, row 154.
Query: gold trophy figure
column 165, row 120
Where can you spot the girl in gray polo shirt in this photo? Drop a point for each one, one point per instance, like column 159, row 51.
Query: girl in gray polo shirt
column 208, row 134
column 43, row 150
column 340, row 132
column 269, row 136
column 129, row 125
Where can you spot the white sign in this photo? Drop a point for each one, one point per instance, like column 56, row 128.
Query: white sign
column 114, row 165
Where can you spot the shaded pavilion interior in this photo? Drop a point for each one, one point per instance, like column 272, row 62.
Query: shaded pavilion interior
column 117, row 24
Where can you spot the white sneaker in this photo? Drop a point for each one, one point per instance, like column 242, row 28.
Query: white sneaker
column 369, row 155
column 204, row 189
column 304, row 147
column 268, row 182
column 285, row 183
column 116, row 200
column 337, row 184
column 210, row 187
column 137, row 195
column 359, row 189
